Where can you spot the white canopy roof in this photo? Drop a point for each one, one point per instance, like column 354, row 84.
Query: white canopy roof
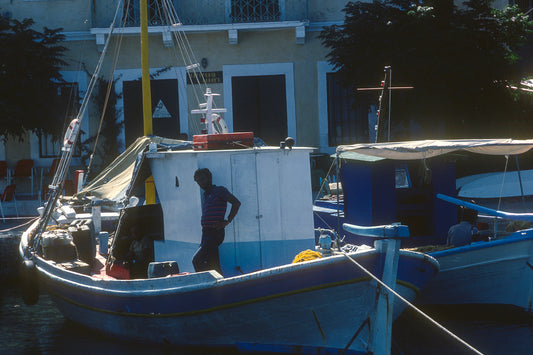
column 423, row 149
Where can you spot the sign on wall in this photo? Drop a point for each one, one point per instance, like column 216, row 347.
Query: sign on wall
column 211, row 77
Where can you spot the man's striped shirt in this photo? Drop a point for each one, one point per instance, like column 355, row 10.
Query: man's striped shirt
column 214, row 206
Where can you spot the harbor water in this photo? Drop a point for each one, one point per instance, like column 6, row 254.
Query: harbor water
column 41, row 329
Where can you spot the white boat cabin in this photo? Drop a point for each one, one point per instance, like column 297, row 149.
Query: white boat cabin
column 274, row 223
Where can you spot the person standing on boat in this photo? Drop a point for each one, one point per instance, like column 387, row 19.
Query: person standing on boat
column 461, row 233
column 214, row 204
column 140, row 254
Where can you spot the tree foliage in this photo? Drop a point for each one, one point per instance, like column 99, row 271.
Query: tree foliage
column 29, row 79
column 461, row 62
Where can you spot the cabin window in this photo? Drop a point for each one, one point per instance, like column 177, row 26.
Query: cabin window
column 402, row 178
column 255, row 11
column 347, row 113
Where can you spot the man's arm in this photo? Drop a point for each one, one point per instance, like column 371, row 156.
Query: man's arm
column 235, row 205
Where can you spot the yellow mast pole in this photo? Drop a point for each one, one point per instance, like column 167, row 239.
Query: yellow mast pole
column 147, row 96
column 149, row 186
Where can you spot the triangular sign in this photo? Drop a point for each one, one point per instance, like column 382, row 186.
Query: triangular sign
column 161, row 111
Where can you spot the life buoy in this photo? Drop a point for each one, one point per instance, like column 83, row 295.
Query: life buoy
column 71, row 134
column 29, row 282
column 219, row 124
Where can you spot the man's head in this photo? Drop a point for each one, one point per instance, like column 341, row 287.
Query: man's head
column 467, row 214
column 203, row 178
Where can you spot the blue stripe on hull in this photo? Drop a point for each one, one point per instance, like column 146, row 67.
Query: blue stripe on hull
column 227, row 294
column 318, row 303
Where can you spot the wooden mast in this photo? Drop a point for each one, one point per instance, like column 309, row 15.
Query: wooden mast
column 149, row 187
column 147, row 96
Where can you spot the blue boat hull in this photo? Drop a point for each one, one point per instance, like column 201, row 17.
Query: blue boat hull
column 287, row 305
column 495, row 272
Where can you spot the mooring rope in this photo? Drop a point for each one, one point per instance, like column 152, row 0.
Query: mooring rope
column 470, row 347
column 31, row 220
column 503, row 181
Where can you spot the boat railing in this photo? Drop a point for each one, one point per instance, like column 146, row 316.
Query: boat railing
column 526, row 217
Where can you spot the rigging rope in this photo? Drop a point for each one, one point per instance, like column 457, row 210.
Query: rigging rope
column 495, row 231
column 325, row 179
column 167, row 13
column 59, row 177
column 118, row 45
column 441, row 327
column 503, row 181
column 335, row 163
column 186, row 53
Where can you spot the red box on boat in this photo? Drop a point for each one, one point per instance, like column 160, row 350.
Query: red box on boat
column 236, row 140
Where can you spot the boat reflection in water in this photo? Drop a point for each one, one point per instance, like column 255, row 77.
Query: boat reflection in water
column 42, row 329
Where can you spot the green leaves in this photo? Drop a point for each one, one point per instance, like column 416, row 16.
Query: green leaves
column 29, row 79
column 460, row 61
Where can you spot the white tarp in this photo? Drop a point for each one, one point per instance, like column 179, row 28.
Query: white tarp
column 423, row 149
column 114, row 180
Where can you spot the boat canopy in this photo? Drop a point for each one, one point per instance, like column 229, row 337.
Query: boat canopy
column 422, row 149
column 113, row 182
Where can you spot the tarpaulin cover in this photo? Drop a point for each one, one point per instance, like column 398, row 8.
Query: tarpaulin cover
column 113, row 182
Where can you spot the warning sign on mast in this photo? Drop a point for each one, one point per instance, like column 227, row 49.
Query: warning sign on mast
column 161, row 111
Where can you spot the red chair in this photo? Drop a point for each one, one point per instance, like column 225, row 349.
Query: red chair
column 24, row 169
column 7, row 196
column 3, row 169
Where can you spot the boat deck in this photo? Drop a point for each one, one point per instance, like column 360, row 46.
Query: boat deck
column 99, row 270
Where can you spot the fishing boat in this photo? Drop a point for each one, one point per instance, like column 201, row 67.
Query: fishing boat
column 507, row 190
column 261, row 297
column 414, row 183
column 275, row 291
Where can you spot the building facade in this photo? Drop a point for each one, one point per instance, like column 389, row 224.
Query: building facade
column 263, row 57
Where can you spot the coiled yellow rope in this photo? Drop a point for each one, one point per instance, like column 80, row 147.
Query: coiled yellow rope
column 306, row 255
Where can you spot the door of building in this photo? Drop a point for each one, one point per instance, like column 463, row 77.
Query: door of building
column 165, row 109
column 260, row 106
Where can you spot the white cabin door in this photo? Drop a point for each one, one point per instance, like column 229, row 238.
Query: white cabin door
column 247, row 233
column 270, row 209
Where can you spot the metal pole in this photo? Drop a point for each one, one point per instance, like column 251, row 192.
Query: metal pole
column 390, row 105
column 337, row 173
column 520, row 181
